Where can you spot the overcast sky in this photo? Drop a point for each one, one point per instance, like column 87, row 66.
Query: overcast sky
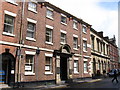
column 101, row 14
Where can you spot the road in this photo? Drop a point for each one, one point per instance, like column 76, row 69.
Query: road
column 104, row 83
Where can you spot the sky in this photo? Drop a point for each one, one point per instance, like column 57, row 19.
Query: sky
column 101, row 14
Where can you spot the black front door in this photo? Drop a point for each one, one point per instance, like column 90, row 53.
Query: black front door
column 63, row 68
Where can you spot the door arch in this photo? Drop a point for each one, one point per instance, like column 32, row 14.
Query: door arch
column 8, row 68
column 64, row 61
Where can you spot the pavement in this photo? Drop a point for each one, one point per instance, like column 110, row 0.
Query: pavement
column 53, row 86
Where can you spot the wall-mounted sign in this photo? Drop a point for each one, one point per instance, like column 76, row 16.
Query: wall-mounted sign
column 12, row 71
column 28, row 68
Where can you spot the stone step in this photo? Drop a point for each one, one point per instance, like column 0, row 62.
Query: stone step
column 4, row 86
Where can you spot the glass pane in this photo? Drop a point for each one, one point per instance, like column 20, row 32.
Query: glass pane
column 50, row 13
column 47, row 61
column 29, row 59
column 9, row 20
column 8, row 28
column 32, row 6
column 30, row 34
column 31, row 26
column 63, row 19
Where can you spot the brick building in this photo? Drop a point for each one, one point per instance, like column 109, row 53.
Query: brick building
column 114, row 54
column 41, row 42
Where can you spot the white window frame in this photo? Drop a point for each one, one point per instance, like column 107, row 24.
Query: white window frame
column 76, row 66
column 84, row 30
column 74, row 24
column 32, row 54
column 13, row 15
column 85, row 67
column 84, row 45
column 51, row 10
column 28, row 30
column 31, row 9
column 74, row 37
column 63, row 38
column 51, row 63
column 50, row 36
column 64, row 23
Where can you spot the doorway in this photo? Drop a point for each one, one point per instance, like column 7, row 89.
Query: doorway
column 8, row 68
column 63, row 68
column 94, row 66
column 5, row 70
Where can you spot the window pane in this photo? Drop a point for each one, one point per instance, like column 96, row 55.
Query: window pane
column 48, row 35
column 48, row 64
column 84, row 29
column 8, row 24
column 30, row 30
column 30, row 34
column 85, row 45
column 30, row 26
column 49, row 13
column 85, row 66
column 63, row 37
column 76, row 66
column 8, row 29
column 75, row 25
column 63, row 19
column 32, row 6
column 29, row 63
column 75, row 42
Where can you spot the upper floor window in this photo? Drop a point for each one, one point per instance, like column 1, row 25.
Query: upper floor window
column 101, row 46
column 9, row 24
column 63, row 19
column 63, row 38
column 75, row 24
column 98, row 45
column 49, row 13
column 104, row 48
column 75, row 42
column 84, row 45
column 30, row 30
column 29, row 64
column 92, row 42
column 48, row 35
column 84, row 29
column 32, row 6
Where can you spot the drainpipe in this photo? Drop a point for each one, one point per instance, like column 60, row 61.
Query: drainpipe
column 81, row 50
column 20, row 42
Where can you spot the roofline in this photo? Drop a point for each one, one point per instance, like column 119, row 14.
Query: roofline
column 64, row 12
column 94, row 31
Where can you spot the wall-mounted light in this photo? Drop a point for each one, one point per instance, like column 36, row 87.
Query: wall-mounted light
column 70, row 18
column 38, row 51
column 42, row 4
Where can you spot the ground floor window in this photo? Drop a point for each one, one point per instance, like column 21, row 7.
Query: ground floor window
column 29, row 64
column 76, row 70
column 48, row 64
column 85, row 67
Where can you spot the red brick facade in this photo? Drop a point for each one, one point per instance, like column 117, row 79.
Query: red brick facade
column 20, row 46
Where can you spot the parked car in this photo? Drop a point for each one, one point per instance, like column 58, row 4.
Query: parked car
column 111, row 73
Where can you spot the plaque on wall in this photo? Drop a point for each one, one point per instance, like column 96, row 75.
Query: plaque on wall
column 58, row 70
